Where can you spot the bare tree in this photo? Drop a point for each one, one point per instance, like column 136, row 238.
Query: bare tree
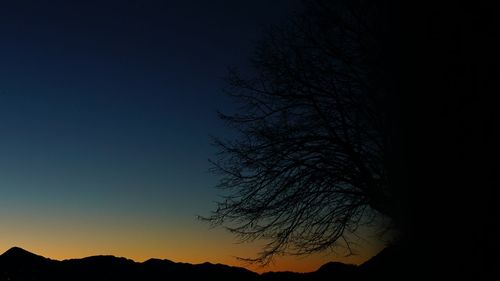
column 307, row 168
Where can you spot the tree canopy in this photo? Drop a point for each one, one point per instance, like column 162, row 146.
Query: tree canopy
column 360, row 110
column 308, row 166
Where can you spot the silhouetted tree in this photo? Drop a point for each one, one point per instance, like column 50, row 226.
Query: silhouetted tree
column 359, row 109
column 307, row 168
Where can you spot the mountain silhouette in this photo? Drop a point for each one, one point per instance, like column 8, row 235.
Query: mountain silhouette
column 17, row 264
column 19, row 254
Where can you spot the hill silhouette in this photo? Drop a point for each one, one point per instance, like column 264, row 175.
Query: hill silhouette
column 17, row 264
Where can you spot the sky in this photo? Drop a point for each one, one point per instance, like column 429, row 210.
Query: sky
column 107, row 109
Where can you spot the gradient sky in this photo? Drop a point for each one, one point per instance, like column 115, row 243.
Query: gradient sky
column 106, row 113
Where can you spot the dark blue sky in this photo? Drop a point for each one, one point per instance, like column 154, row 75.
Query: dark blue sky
column 119, row 92
column 106, row 113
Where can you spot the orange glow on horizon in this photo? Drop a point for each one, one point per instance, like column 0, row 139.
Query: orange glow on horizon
column 62, row 237
column 304, row 264
column 62, row 250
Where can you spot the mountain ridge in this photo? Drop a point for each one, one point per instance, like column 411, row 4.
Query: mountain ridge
column 20, row 264
column 18, row 252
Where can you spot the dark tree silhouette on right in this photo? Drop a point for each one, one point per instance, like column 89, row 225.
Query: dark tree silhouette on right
column 361, row 109
column 308, row 169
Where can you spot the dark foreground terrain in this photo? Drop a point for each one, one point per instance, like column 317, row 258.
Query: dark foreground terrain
column 19, row 264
